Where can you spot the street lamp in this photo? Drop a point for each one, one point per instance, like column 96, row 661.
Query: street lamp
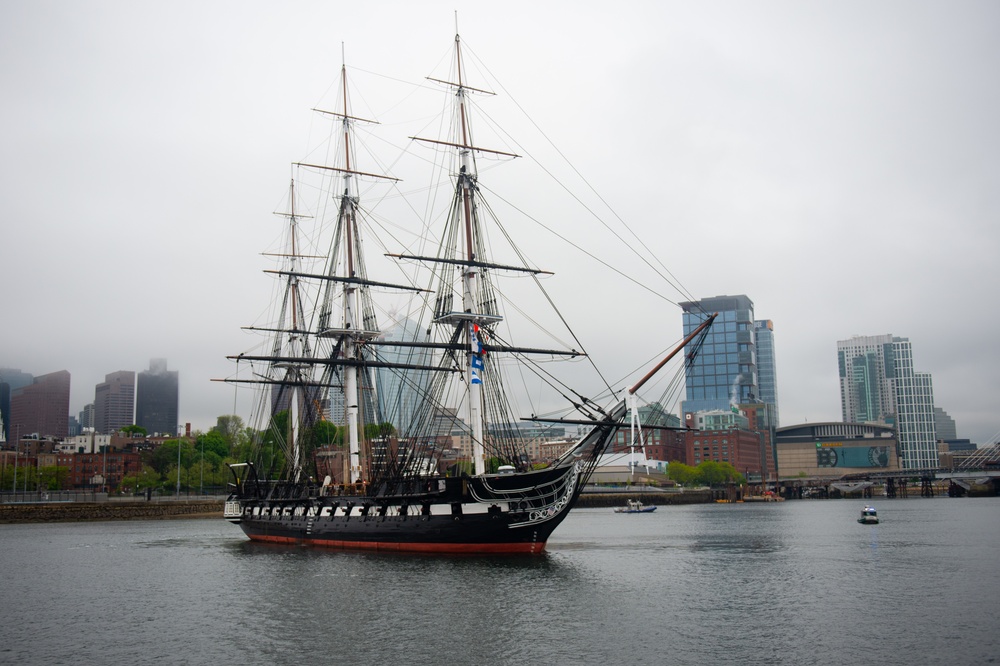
column 17, row 446
column 178, row 461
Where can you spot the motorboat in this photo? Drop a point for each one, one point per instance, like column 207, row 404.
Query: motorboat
column 635, row 506
column 868, row 516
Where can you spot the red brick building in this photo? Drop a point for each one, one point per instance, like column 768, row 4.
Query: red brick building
column 739, row 447
column 659, row 444
column 99, row 470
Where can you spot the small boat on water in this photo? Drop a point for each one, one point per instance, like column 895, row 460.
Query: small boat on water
column 635, row 506
column 868, row 516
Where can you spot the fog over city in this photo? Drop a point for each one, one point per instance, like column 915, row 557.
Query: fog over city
column 834, row 161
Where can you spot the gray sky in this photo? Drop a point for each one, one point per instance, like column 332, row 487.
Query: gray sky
column 835, row 161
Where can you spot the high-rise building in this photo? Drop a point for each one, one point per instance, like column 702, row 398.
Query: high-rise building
column 156, row 398
column 879, row 385
column 767, row 374
column 10, row 379
column 401, row 390
column 725, row 371
column 41, row 407
column 944, row 425
column 114, row 402
column 734, row 370
column 86, row 417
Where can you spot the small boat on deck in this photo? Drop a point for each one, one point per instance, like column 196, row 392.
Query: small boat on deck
column 635, row 506
column 868, row 516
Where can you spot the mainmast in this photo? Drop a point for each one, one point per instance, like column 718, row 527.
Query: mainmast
column 477, row 313
column 466, row 185
column 346, row 270
column 348, row 212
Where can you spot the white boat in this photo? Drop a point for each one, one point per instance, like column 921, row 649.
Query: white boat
column 868, row 516
column 635, row 506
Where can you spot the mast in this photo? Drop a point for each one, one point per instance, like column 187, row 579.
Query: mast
column 466, row 185
column 475, row 319
column 347, row 220
column 297, row 347
column 346, row 273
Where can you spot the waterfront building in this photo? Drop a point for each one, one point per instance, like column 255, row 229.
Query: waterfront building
column 740, row 447
column 41, row 407
column 156, row 398
column 760, row 418
column 657, row 436
column 736, row 363
column 724, row 372
column 667, row 445
column 735, row 371
column 114, row 402
column 879, row 385
column 102, row 471
column 831, row 450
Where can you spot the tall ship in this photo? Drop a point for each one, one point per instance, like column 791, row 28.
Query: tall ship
column 354, row 442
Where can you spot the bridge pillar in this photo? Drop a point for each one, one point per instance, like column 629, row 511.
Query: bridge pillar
column 926, row 487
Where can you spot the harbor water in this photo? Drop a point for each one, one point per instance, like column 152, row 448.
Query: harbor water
column 798, row 582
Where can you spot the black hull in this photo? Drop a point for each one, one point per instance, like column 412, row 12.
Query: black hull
column 473, row 535
column 502, row 514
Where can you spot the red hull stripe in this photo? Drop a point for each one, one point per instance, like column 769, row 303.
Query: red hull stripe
column 526, row 548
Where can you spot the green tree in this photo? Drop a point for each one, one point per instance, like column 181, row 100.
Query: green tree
column 53, row 478
column 212, row 442
column 165, row 456
column 683, row 474
column 146, row 478
column 232, row 430
column 133, row 430
column 718, row 473
column 376, row 430
column 325, row 433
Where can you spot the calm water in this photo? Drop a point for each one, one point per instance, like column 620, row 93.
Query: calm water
column 791, row 583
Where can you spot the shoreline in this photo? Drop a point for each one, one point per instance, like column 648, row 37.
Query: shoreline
column 71, row 512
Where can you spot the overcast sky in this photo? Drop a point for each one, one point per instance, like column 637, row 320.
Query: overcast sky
column 837, row 162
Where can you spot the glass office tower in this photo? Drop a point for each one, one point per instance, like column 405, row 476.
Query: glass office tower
column 724, row 373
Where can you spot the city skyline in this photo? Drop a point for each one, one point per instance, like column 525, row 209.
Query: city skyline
column 833, row 161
